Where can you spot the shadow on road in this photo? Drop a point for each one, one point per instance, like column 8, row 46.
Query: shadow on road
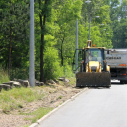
column 116, row 83
column 92, row 87
column 98, row 88
column 112, row 83
column 81, row 87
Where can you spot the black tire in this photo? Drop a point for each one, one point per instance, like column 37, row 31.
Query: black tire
column 121, row 81
column 125, row 81
column 108, row 86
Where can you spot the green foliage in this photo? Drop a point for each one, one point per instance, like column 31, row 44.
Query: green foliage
column 119, row 26
column 114, row 7
column 14, row 33
column 68, row 12
column 99, row 37
column 120, row 34
column 68, row 70
column 19, row 73
column 122, row 10
column 55, row 26
column 52, row 68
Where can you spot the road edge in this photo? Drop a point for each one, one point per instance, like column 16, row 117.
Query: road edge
column 37, row 123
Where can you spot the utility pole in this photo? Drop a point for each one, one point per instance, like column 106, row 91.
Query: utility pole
column 88, row 2
column 89, row 25
column 76, row 47
column 31, row 56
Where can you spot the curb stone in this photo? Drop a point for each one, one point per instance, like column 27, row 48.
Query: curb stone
column 37, row 124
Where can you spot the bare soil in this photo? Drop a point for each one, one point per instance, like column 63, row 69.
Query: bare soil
column 54, row 95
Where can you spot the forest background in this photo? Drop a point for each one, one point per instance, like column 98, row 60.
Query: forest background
column 55, row 33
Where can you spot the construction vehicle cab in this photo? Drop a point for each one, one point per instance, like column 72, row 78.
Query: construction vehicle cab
column 93, row 68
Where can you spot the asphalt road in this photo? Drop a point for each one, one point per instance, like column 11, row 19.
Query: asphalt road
column 94, row 108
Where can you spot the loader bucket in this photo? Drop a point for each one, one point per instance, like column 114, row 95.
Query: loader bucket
column 93, row 79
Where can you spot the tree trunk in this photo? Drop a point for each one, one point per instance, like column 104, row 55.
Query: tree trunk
column 42, row 25
column 41, row 51
column 9, row 56
column 10, row 46
column 62, row 52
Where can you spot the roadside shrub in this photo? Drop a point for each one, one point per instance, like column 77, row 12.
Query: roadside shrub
column 19, row 73
column 52, row 68
column 68, row 70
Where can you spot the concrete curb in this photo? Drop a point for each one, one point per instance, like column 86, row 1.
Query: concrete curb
column 54, row 110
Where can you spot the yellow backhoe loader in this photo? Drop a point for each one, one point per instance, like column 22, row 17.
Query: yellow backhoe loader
column 93, row 70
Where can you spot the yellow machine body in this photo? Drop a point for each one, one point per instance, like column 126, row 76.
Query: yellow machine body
column 94, row 64
column 93, row 69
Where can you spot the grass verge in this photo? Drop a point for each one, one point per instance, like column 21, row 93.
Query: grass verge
column 16, row 97
column 39, row 113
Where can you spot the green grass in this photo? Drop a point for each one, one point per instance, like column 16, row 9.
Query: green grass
column 16, row 97
column 60, row 97
column 72, row 81
column 3, row 76
column 39, row 113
